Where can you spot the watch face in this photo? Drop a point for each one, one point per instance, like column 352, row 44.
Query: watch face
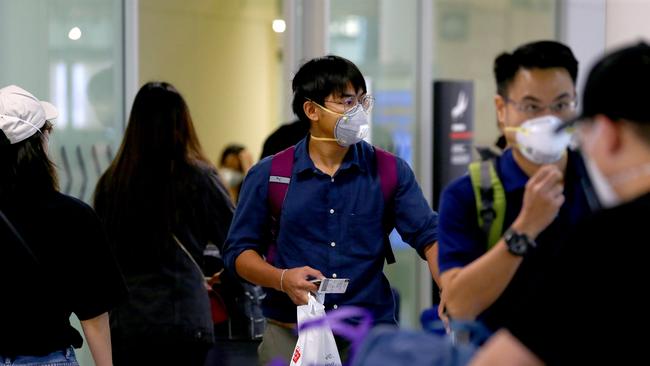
column 519, row 246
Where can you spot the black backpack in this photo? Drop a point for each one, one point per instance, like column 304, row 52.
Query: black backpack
column 243, row 301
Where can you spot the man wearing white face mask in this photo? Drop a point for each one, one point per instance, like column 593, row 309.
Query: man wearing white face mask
column 592, row 290
column 334, row 214
column 543, row 195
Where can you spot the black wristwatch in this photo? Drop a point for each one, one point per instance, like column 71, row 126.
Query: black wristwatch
column 518, row 244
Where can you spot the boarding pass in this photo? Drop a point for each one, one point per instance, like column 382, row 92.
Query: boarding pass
column 333, row 285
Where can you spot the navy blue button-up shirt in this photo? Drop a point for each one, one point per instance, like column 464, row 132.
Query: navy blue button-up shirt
column 332, row 224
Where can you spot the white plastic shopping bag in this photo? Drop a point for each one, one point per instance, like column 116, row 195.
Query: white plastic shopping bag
column 316, row 345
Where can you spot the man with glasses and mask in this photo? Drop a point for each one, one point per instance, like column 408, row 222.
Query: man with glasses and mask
column 333, row 219
column 587, row 307
column 535, row 90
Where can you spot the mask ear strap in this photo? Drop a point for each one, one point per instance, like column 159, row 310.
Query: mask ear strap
column 515, row 129
column 327, row 109
column 323, row 138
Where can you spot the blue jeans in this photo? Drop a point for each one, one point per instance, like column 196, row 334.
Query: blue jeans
column 64, row 357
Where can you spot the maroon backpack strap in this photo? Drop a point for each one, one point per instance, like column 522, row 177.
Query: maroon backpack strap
column 279, row 179
column 387, row 171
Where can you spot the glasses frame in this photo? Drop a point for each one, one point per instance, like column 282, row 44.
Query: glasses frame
column 521, row 106
column 366, row 102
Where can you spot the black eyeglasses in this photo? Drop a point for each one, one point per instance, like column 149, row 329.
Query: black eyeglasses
column 533, row 109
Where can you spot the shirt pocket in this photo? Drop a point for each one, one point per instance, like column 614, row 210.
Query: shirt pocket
column 365, row 234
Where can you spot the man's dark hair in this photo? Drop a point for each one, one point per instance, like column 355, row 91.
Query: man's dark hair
column 540, row 55
column 322, row 76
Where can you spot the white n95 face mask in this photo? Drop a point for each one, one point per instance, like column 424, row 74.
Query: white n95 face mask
column 231, row 177
column 351, row 126
column 538, row 141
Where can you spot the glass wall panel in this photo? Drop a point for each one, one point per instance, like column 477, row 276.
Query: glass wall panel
column 469, row 34
column 379, row 36
column 70, row 52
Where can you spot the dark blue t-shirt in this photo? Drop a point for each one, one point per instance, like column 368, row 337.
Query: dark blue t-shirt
column 462, row 240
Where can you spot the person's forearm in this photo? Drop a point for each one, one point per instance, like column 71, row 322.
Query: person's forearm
column 504, row 349
column 473, row 288
column 253, row 268
column 98, row 335
column 431, row 253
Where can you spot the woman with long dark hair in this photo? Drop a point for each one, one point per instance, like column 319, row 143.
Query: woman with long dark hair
column 161, row 202
column 54, row 256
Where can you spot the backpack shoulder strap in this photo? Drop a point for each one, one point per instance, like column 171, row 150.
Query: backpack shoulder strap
column 387, row 172
column 487, row 152
column 490, row 199
column 279, row 179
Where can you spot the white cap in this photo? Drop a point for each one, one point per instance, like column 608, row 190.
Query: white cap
column 22, row 114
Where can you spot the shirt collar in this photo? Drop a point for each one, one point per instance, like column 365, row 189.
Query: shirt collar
column 355, row 157
column 512, row 177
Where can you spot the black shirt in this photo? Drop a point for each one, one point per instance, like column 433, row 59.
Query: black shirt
column 73, row 271
column 168, row 302
column 462, row 240
column 285, row 136
column 590, row 305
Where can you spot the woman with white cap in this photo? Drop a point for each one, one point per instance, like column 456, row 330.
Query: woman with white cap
column 54, row 256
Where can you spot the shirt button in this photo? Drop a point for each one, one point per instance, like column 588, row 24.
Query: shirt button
column 331, row 210
column 333, row 244
column 332, row 180
column 333, row 275
column 335, row 307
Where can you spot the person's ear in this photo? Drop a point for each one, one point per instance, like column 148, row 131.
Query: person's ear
column 609, row 134
column 311, row 110
column 500, row 106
